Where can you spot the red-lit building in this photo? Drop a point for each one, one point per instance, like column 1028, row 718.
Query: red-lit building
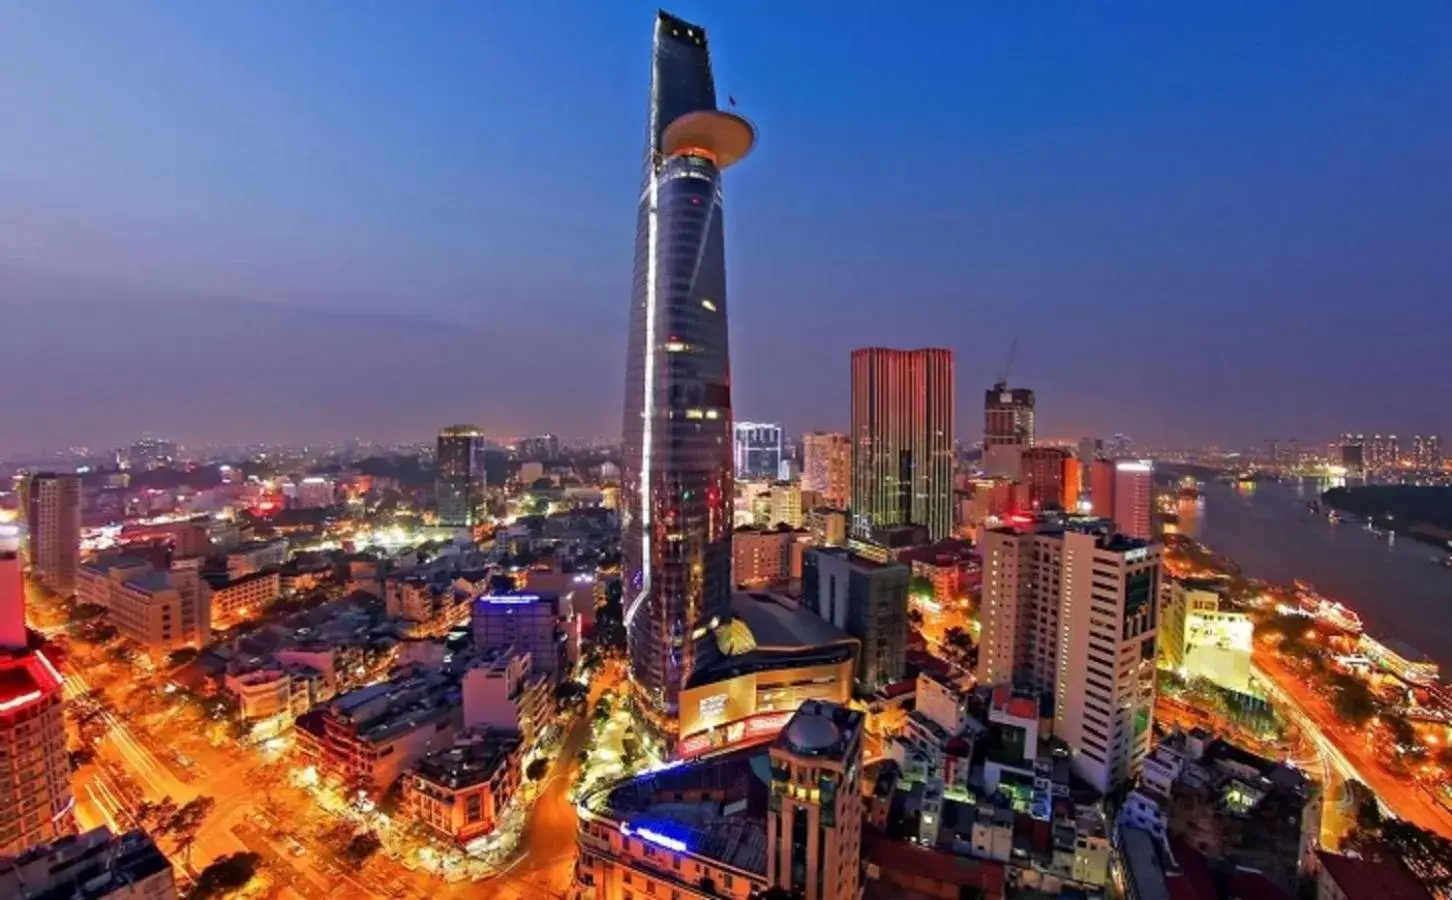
column 35, row 773
column 902, row 439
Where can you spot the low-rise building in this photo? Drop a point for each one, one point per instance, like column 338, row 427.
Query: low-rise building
column 1341, row 877
column 371, row 735
column 1229, row 805
column 827, row 527
column 162, row 611
column 96, row 865
column 459, row 793
column 243, row 598
column 735, row 824
column 96, row 579
column 1401, row 659
column 502, row 692
column 254, row 556
column 271, row 696
column 773, row 657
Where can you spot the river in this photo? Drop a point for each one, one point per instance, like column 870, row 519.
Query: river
column 1390, row 581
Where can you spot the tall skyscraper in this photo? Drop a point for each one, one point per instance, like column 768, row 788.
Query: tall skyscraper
column 459, row 489
column 902, row 439
column 1008, row 429
column 758, row 450
column 827, row 467
column 1073, row 613
column 53, row 516
column 677, row 479
column 35, row 777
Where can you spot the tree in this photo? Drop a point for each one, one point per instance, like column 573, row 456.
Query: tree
column 537, row 769
column 225, row 875
column 921, row 588
column 155, row 817
column 1353, row 700
column 187, row 821
column 361, row 847
column 1401, row 730
column 567, row 692
column 915, row 616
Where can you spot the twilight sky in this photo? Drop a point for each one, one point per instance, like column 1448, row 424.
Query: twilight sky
column 286, row 220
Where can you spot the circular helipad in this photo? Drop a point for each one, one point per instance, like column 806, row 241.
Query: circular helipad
column 725, row 138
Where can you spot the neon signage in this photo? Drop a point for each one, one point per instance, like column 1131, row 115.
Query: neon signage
column 655, row 837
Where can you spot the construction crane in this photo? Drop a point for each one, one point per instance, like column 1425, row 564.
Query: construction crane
column 1008, row 366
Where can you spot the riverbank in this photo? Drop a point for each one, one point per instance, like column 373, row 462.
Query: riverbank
column 1421, row 512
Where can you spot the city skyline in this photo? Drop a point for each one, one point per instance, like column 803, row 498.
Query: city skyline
column 1202, row 236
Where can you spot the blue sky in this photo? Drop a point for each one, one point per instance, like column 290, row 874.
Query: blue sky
column 1203, row 221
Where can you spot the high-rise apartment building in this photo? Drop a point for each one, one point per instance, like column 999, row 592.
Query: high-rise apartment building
column 827, row 467
column 460, row 486
column 677, row 478
column 1134, row 498
column 1074, row 613
column 1427, row 453
column 53, row 515
column 35, row 773
column 758, row 450
column 1122, row 491
column 1383, row 453
column 902, row 439
column 1008, row 429
column 866, row 599
column 815, row 811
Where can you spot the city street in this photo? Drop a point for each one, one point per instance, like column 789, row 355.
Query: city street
column 1346, row 750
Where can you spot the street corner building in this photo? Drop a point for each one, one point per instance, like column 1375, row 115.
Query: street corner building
column 678, row 474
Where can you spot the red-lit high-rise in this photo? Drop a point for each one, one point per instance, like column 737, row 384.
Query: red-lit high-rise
column 35, row 776
column 902, row 439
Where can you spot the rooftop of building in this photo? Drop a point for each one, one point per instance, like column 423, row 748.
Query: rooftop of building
column 81, row 867
column 26, row 675
column 249, row 578
column 1406, row 651
column 767, row 632
column 987, row 876
column 948, row 551
column 475, row 758
column 855, row 560
column 150, row 580
column 1222, row 766
column 104, row 565
column 820, row 729
column 1364, row 879
column 687, row 806
column 506, row 600
column 1006, row 701
column 382, row 711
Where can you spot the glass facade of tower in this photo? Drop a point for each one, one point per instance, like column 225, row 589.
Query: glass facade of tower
column 902, row 439
column 677, row 477
column 459, row 489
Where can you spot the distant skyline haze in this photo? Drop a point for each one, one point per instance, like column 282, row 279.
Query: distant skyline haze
column 283, row 222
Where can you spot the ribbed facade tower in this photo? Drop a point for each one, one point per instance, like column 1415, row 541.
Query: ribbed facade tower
column 677, row 479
